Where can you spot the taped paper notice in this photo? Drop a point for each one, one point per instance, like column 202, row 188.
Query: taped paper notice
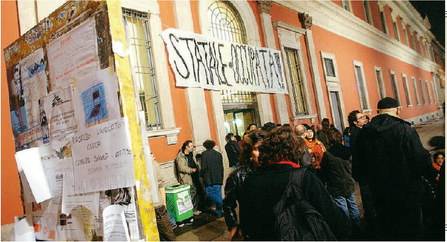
column 74, row 55
column 96, row 100
column 30, row 161
column 115, row 228
column 88, row 200
column 102, row 158
column 60, row 113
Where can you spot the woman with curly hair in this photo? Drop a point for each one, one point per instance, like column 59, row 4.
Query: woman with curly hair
column 281, row 153
column 248, row 162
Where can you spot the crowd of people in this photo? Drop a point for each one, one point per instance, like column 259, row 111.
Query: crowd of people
column 297, row 182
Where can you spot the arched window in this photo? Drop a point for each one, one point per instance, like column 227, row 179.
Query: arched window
column 226, row 24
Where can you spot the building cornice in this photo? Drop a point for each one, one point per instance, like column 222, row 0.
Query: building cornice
column 410, row 16
column 331, row 17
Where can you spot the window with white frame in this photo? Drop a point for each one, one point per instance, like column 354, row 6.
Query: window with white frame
column 367, row 10
column 361, row 85
column 383, row 20
column 406, row 90
column 346, row 5
column 141, row 61
column 422, row 91
column 396, row 31
column 416, row 92
column 380, row 83
column 394, row 86
column 296, row 80
column 226, row 24
column 405, row 39
column 329, row 67
column 427, row 85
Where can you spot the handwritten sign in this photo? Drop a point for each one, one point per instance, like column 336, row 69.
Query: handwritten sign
column 102, row 158
column 198, row 61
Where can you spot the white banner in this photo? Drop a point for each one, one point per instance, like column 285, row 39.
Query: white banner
column 199, row 61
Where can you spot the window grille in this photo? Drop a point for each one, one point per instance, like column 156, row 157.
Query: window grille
column 142, row 66
column 296, row 80
column 226, row 24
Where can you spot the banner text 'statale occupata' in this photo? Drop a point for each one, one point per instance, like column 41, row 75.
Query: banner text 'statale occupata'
column 199, row 61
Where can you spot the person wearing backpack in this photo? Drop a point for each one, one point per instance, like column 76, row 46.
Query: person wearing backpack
column 282, row 201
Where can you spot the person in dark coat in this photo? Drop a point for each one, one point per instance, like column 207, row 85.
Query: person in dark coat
column 212, row 172
column 233, row 185
column 280, row 154
column 337, row 173
column 357, row 121
column 233, row 150
column 392, row 163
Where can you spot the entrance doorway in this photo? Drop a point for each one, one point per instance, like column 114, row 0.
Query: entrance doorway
column 237, row 120
column 336, row 110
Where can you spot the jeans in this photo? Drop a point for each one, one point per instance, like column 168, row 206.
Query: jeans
column 214, row 192
column 349, row 207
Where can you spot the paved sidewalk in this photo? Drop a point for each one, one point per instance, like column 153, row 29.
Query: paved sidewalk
column 430, row 129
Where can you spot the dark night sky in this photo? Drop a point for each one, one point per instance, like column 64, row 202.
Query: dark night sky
column 435, row 11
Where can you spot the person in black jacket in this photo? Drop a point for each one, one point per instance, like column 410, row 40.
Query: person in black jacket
column 391, row 159
column 336, row 172
column 280, row 154
column 357, row 121
column 249, row 161
column 233, row 150
column 212, row 173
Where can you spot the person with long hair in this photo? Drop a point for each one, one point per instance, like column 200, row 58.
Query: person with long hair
column 248, row 162
column 315, row 147
column 279, row 157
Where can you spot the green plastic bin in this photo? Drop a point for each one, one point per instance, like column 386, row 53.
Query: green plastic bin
column 178, row 202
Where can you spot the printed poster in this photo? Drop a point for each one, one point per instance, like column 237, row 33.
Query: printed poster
column 96, row 100
column 35, row 86
column 61, row 121
column 74, row 55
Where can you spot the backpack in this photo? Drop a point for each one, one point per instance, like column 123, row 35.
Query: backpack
column 296, row 218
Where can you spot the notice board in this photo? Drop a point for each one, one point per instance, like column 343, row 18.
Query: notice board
column 77, row 137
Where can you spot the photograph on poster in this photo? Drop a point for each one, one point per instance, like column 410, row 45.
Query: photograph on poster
column 94, row 104
column 17, row 102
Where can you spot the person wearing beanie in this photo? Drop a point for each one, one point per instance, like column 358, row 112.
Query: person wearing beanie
column 390, row 157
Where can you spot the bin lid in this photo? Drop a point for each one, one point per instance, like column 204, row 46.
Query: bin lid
column 176, row 188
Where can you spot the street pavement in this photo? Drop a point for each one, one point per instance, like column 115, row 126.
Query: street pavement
column 216, row 229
